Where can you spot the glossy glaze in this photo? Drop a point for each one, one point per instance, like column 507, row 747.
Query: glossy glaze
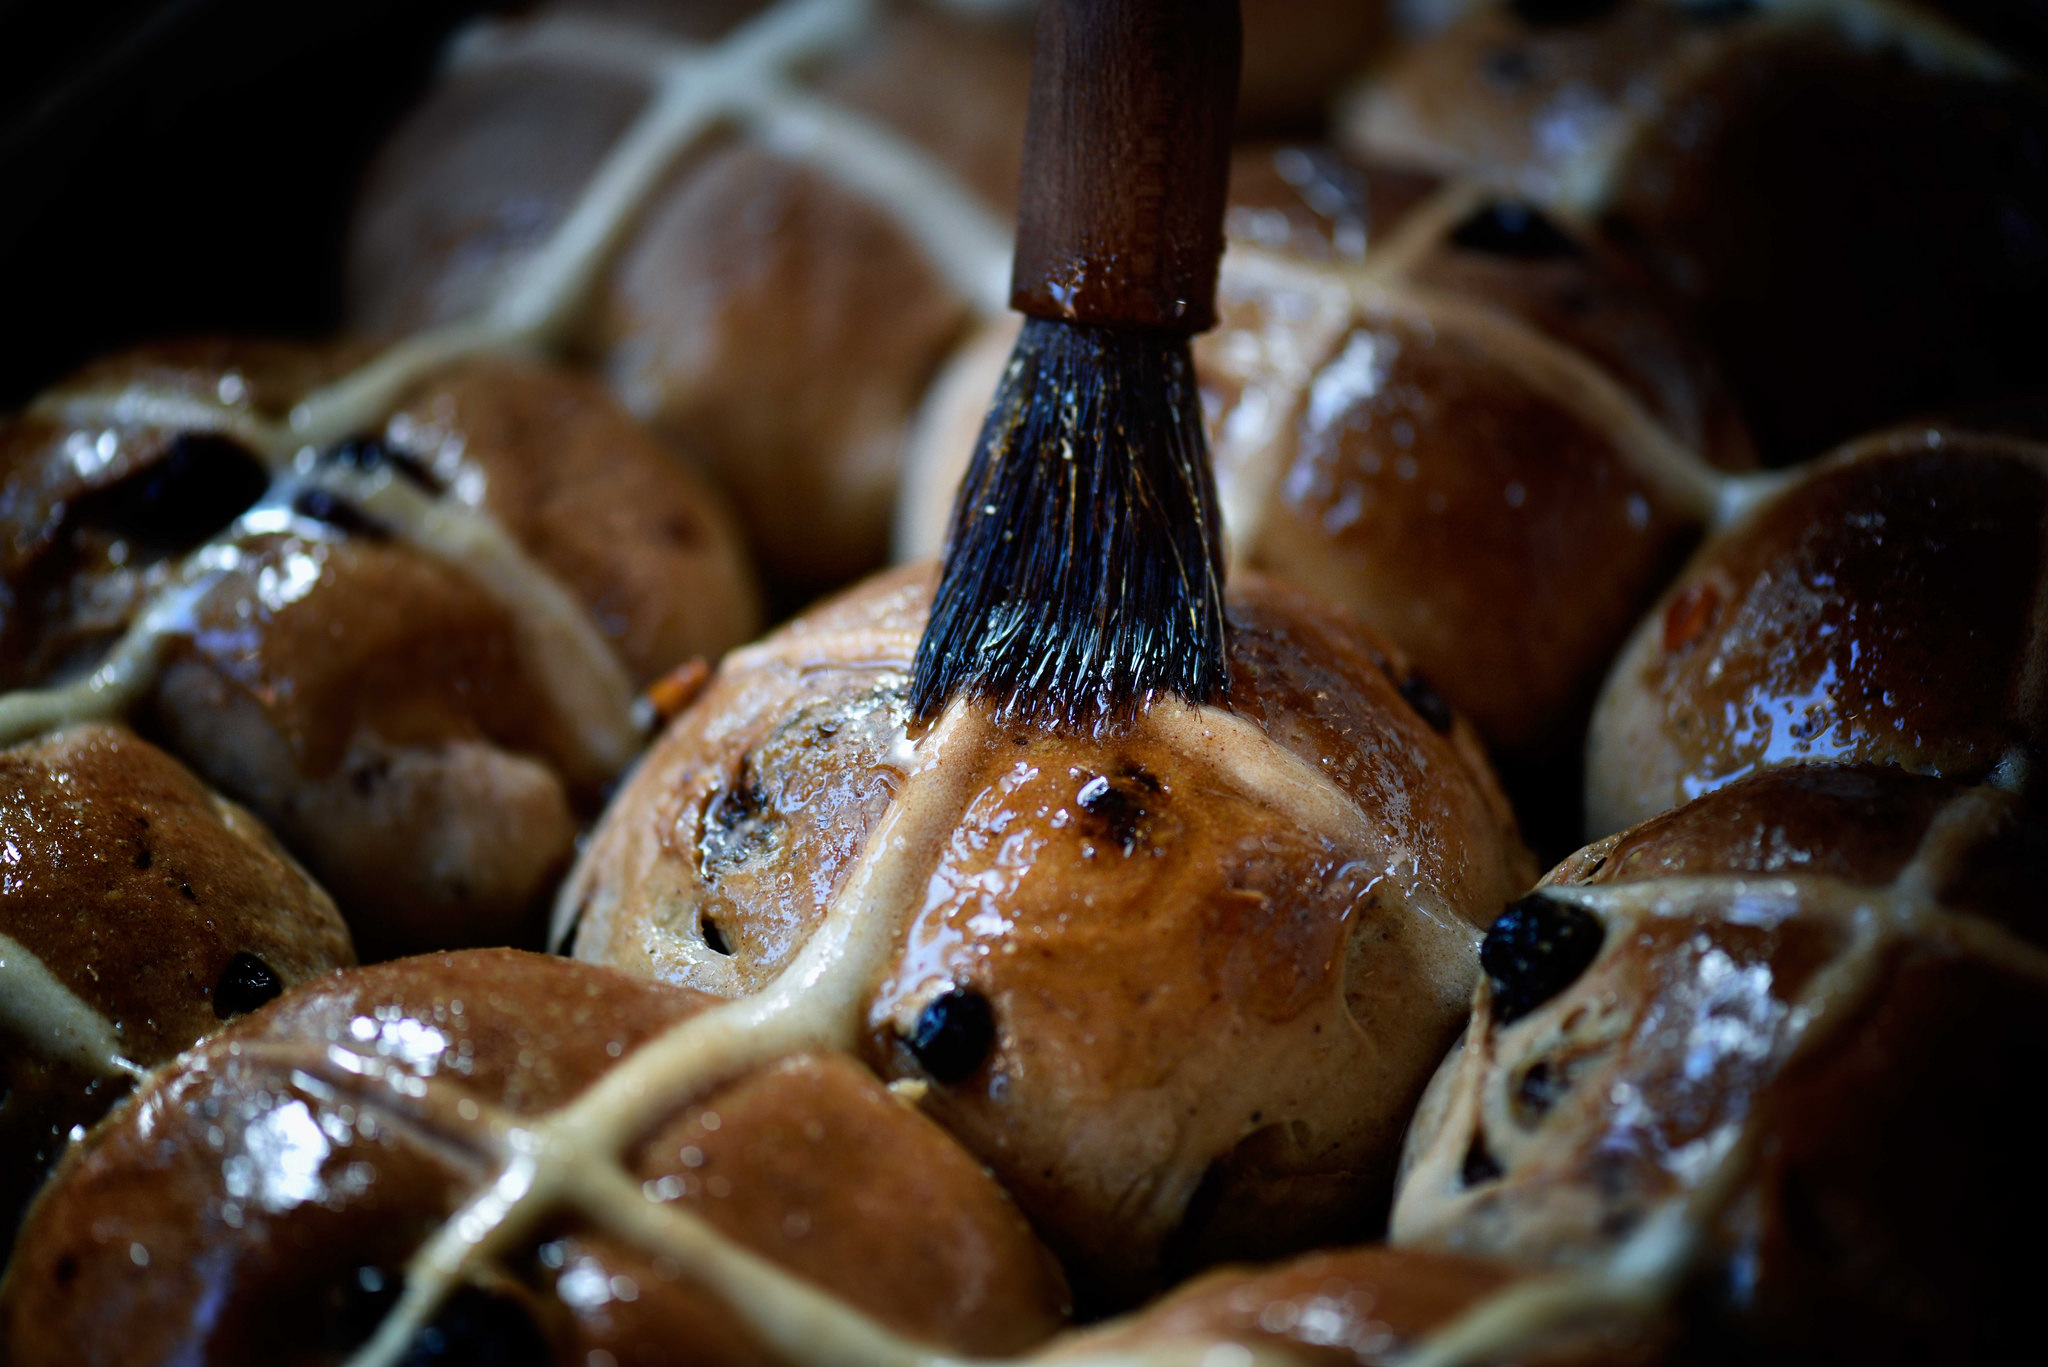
column 1617, row 1096
column 130, row 887
column 322, row 1139
column 1359, row 1307
column 343, row 657
column 1792, row 1048
column 1362, row 1306
column 1864, row 824
column 1881, row 611
column 1153, row 1094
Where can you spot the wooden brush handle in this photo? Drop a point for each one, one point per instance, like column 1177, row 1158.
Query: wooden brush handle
column 1126, row 163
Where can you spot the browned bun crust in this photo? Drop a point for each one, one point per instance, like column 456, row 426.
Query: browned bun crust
column 1504, row 537
column 1858, row 823
column 1895, row 1210
column 1209, row 1002
column 1848, row 199
column 1364, row 1305
column 255, row 1250
column 68, row 586
column 1565, row 283
column 368, row 699
column 1795, row 1043
column 1532, row 107
column 136, row 887
column 382, row 721
column 779, row 323
column 1355, row 1307
column 1882, row 610
column 1296, row 55
column 642, row 540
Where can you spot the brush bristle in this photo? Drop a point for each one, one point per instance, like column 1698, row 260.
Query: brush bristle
column 1084, row 570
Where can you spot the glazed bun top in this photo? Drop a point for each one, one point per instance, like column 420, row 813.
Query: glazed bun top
column 138, row 911
column 1332, row 1309
column 279, row 1184
column 414, row 651
column 1861, row 824
column 1722, row 1047
column 1176, row 983
column 148, row 453
column 1880, row 610
column 137, row 887
column 621, row 518
column 1372, row 1306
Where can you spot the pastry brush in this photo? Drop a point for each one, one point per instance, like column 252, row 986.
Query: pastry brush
column 1083, row 571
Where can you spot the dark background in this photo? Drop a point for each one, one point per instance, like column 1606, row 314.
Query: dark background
column 171, row 166
column 177, row 166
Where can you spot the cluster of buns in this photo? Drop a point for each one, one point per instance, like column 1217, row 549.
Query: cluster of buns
column 1626, row 426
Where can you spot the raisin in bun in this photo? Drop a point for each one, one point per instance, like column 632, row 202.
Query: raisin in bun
column 262, row 1201
column 1883, row 609
column 1765, row 1048
column 1176, row 984
column 413, row 654
column 138, row 910
column 1455, row 414
column 1848, row 196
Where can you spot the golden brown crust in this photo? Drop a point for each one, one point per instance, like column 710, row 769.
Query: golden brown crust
column 377, row 711
column 1099, row 894
column 254, row 1249
column 369, row 699
column 1523, row 1151
column 1536, row 108
column 256, row 375
column 1358, row 1306
column 1505, row 545
column 434, row 229
column 1858, row 823
column 648, row 546
column 1883, row 610
column 790, row 350
column 135, row 887
column 1414, row 441
column 76, row 558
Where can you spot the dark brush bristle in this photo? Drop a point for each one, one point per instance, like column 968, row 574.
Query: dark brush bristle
column 1084, row 571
